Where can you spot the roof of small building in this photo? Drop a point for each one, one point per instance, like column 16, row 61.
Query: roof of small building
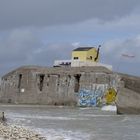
column 83, row 48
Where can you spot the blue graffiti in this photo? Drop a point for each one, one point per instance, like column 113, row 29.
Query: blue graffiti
column 90, row 97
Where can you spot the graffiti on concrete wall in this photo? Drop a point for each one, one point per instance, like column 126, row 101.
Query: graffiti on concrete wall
column 92, row 97
column 87, row 98
column 97, row 96
column 110, row 96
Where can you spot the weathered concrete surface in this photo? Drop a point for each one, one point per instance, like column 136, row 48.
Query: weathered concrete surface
column 128, row 102
column 128, row 98
column 53, row 86
column 131, row 82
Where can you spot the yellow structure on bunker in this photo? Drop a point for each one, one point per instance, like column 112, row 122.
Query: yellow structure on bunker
column 110, row 96
column 86, row 54
column 83, row 57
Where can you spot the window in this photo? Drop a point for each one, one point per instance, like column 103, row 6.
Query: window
column 75, row 58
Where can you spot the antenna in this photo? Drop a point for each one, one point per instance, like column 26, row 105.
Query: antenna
column 98, row 50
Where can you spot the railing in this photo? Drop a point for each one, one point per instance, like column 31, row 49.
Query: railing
column 62, row 62
column 78, row 63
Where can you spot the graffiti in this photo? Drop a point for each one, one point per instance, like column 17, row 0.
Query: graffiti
column 110, row 96
column 99, row 95
column 90, row 97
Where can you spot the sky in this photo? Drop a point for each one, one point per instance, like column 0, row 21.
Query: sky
column 37, row 32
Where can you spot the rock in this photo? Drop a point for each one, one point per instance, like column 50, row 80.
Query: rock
column 8, row 132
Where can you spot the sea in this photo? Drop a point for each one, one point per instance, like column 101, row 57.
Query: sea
column 74, row 123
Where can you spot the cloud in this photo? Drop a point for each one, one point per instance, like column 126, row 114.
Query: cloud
column 17, row 45
column 28, row 13
column 23, row 47
column 76, row 44
column 50, row 52
column 119, row 47
column 112, row 53
column 16, row 48
column 38, row 32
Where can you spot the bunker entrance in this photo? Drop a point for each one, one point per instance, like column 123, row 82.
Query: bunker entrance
column 19, row 81
column 41, row 81
column 77, row 82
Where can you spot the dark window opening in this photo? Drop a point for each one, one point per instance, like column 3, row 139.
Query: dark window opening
column 5, row 79
column 19, row 81
column 96, row 80
column 77, row 81
column 91, row 57
column 41, row 81
column 9, row 100
column 68, row 80
column 75, row 58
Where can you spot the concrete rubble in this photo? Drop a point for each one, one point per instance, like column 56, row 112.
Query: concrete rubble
column 13, row 132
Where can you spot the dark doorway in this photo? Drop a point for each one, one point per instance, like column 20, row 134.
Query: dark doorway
column 19, row 81
column 77, row 82
column 41, row 81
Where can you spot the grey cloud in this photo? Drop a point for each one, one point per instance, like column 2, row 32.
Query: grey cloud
column 17, row 45
column 17, row 13
column 16, row 48
column 130, row 46
column 112, row 54
column 23, row 47
column 51, row 52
